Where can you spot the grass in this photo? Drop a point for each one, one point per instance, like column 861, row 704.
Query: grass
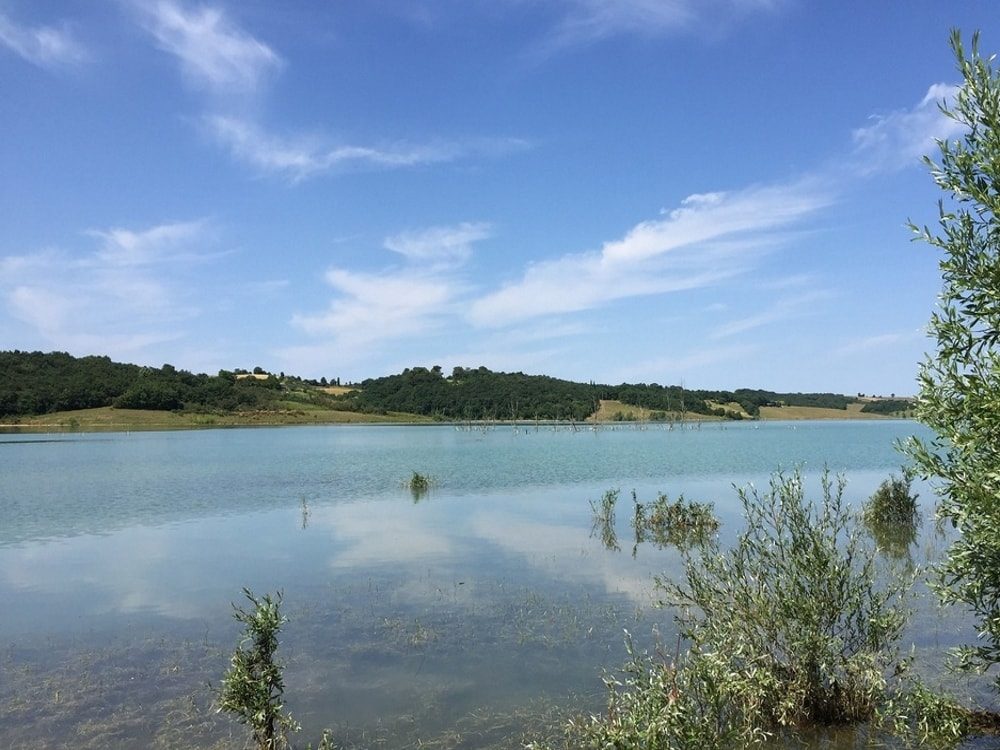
column 338, row 390
column 853, row 411
column 111, row 419
column 609, row 409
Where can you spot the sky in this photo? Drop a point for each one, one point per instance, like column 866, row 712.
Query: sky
column 711, row 193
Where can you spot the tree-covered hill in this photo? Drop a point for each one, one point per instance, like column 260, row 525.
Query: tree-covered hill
column 478, row 394
column 483, row 394
column 33, row 383
column 36, row 383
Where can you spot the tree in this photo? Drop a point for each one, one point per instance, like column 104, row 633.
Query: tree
column 960, row 384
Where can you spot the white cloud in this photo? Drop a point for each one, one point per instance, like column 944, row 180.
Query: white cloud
column 303, row 157
column 372, row 307
column 369, row 308
column 901, row 138
column 123, row 296
column 44, row 46
column 214, row 53
column 447, row 244
column 711, row 237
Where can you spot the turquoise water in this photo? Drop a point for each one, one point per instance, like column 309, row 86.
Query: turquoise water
column 480, row 610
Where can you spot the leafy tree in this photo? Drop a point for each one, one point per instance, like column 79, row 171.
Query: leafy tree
column 960, row 384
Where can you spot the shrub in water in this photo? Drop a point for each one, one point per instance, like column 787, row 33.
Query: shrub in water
column 797, row 605
column 790, row 627
column 891, row 516
column 680, row 523
column 418, row 484
column 253, row 686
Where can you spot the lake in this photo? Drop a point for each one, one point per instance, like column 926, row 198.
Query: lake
column 485, row 609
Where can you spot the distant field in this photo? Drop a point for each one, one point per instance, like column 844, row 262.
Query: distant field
column 608, row 409
column 111, row 419
column 853, row 411
column 337, row 390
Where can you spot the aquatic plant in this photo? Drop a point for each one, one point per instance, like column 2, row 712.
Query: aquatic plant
column 791, row 627
column 892, row 504
column 797, row 602
column 604, row 519
column 680, row 523
column 253, row 686
column 891, row 516
column 418, row 484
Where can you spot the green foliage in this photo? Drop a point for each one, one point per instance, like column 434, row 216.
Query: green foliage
column 960, row 384
column 36, row 383
column 661, row 703
column 797, row 603
column 253, row 686
column 893, row 503
column 891, row 516
column 887, row 406
column 789, row 628
column 924, row 718
column 680, row 523
column 477, row 394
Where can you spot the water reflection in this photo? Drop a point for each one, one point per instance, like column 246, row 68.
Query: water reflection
column 410, row 619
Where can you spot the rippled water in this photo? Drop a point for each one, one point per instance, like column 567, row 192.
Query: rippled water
column 484, row 609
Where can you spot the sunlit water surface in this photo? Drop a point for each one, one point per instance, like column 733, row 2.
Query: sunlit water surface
column 479, row 612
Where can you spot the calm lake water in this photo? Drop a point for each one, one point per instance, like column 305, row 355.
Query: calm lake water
column 483, row 610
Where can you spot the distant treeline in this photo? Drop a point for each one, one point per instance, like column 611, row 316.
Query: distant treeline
column 673, row 399
column 37, row 383
column 888, row 406
column 483, row 394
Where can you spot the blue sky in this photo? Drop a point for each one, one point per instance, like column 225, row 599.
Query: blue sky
column 706, row 192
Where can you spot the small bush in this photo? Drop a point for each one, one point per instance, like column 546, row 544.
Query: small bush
column 418, row 484
column 797, row 604
column 892, row 504
column 891, row 517
column 253, row 686
column 789, row 628
column 680, row 523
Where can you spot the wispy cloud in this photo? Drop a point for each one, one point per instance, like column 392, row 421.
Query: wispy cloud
column 583, row 21
column 681, row 366
column 372, row 307
column 214, row 52
column 898, row 139
column 780, row 310
column 44, row 46
column 123, row 296
column 709, row 238
column 878, row 342
column 435, row 244
column 298, row 158
column 162, row 243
